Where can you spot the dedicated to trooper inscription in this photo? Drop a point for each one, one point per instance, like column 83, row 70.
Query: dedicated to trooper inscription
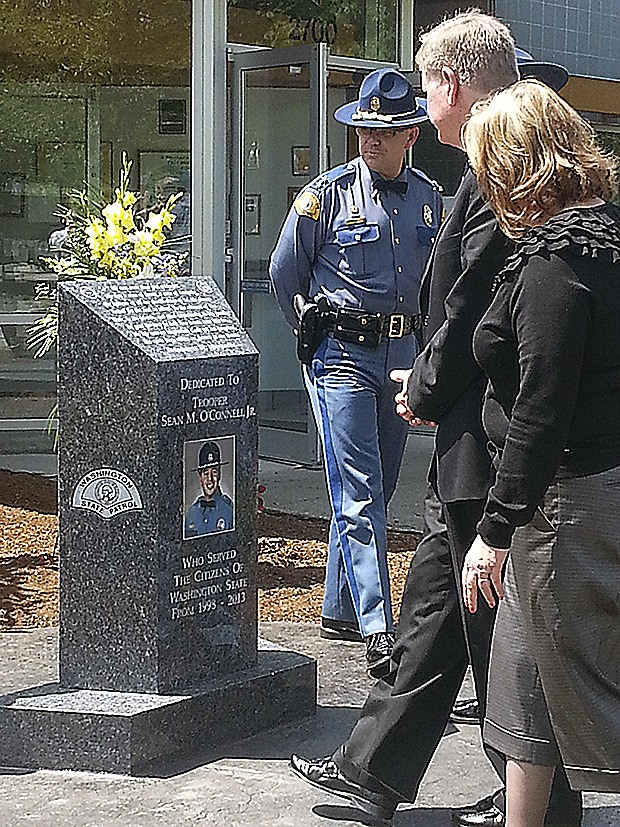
column 158, row 464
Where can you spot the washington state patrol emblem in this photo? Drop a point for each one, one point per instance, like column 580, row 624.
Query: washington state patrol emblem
column 427, row 215
column 107, row 492
column 308, row 204
column 375, row 104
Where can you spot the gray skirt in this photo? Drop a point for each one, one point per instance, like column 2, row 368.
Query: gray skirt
column 554, row 673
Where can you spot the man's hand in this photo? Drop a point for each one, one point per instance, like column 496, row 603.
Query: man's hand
column 402, row 400
column 482, row 570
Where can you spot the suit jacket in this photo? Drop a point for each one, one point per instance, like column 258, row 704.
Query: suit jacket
column 447, row 385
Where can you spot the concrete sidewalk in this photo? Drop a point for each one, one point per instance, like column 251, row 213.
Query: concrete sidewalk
column 249, row 784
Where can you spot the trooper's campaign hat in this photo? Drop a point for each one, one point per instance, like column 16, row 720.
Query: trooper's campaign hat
column 552, row 74
column 386, row 100
column 209, row 457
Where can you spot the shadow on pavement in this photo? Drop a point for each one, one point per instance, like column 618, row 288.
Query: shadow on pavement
column 432, row 817
column 311, row 737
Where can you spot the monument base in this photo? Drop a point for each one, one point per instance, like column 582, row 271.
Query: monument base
column 47, row 727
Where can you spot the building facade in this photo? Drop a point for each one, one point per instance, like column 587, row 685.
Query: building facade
column 232, row 102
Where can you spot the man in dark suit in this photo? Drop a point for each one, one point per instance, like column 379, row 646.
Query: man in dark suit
column 387, row 753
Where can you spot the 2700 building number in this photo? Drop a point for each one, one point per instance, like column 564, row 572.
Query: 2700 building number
column 314, row 30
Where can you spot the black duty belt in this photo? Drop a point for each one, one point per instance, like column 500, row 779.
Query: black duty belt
column 369, row 329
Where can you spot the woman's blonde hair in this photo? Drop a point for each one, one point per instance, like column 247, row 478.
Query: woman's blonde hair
column 533, row 155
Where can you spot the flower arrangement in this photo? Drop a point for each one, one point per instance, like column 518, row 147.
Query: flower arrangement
column 109, row 241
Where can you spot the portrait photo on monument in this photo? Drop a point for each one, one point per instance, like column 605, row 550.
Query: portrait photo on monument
column 209, row 486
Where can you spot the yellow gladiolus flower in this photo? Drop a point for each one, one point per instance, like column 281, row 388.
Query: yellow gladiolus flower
column 115, row 236
column 126, row 198
column 117, row 216
column 96, row 235
column 144, row 244
column 167, row 218
column 155, row 221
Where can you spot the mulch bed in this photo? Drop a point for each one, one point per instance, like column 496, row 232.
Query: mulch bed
column 291, row 558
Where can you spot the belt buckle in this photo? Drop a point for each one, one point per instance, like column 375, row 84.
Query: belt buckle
column 396, row 327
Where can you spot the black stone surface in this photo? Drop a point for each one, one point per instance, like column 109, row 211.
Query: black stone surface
column 148, row 370
column 158, row 656
column 143, row 734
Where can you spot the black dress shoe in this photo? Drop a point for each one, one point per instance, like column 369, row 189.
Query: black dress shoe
column 339, row 630
column 325, row 774
column 486, row 813
column 483, row 813
column 379, row 653
column 466, row 711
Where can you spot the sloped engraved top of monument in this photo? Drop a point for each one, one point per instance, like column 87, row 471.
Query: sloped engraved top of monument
column 167, row 319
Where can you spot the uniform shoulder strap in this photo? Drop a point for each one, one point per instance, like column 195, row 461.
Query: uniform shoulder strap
column 326, row 178
column 424, row 177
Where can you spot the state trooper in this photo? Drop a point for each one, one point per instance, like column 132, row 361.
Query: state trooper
column 346, row 271
column 212, row 510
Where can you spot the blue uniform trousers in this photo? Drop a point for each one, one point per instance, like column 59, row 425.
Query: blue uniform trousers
column 363, row 439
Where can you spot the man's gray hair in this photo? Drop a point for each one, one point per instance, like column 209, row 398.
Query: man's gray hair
column 477, row 46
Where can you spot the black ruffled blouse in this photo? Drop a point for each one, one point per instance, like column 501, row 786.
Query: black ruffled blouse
column 550, row 346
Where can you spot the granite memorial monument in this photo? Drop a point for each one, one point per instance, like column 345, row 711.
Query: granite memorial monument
column 158, row 654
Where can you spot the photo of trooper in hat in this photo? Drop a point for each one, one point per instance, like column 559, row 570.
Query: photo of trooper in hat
column 211, row 510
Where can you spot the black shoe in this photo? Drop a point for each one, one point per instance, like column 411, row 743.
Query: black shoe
column 466, row 711
column 483, row 813
column 379, row 653
column 339, row 630
column 325, row 774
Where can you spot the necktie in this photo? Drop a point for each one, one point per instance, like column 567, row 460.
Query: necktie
column 387, row 185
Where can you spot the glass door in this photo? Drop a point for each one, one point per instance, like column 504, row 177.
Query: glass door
column 283, row 135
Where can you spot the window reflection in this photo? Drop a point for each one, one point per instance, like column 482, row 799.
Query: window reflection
column 81, row 83
column 357, row 28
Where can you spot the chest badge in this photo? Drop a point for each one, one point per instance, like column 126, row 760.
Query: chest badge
column 308, row 204
column 427, row 215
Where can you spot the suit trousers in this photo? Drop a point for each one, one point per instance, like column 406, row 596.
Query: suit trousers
column 405, row 715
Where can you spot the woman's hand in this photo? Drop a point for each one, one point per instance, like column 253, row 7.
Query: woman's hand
column 402, row 400
column 482, row 570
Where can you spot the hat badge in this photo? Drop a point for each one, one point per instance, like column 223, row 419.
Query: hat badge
column 375, row 103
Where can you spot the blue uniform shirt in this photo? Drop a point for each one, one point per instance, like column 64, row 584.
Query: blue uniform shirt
column 206, row 517
column 358, row 247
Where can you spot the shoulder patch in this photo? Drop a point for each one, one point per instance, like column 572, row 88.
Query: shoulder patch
column 308, row 204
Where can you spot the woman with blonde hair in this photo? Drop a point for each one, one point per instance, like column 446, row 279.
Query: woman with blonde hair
column 550, row 346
